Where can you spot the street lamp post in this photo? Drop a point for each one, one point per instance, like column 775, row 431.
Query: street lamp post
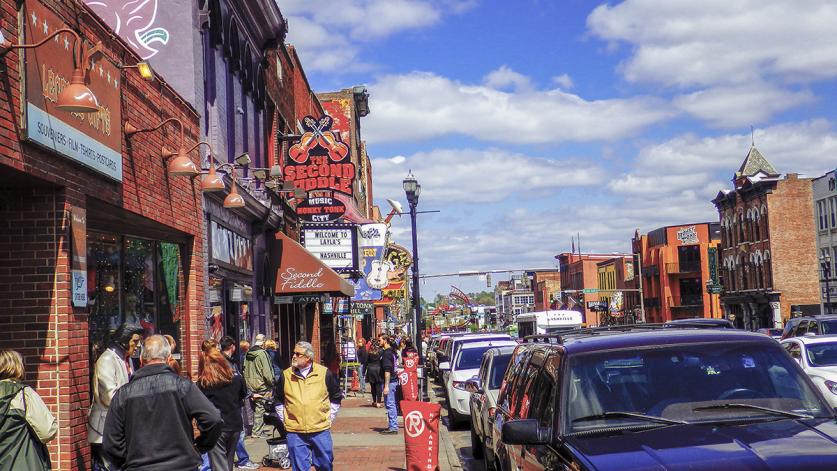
column 413, row 190
column 825, row 263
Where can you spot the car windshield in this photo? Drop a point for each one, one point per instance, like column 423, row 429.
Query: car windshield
column 672, row 382
column 470, row 358
column 829, row 327
column 823, row 354
column 498, row 370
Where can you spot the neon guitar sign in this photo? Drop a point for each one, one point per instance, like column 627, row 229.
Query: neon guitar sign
column 320, row 160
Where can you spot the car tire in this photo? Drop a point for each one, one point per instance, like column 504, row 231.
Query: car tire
column 476, row 445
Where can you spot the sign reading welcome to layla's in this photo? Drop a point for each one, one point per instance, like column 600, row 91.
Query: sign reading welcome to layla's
column 92, row 139
column 336, row 245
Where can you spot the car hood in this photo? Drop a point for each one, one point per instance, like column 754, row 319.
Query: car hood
column 827, row 371
column 777, row 445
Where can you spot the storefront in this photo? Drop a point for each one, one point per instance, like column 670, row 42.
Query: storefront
column 96, row 231
column 304, row 285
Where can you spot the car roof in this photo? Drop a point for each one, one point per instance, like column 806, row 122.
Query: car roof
column 639, row 337
column 702, row 321
column 493, row 343
column 818, row 317
column 814, row 340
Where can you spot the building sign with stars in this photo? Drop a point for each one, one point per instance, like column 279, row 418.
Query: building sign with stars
column 92, row 139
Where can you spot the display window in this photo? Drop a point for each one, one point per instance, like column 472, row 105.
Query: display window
column 134, row 280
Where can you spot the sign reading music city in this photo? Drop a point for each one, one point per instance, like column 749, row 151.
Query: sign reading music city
column 320, row 160
column 320, row 209
column 336, row 245
column 92, row 139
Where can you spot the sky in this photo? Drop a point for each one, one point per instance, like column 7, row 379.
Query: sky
column 529, row 122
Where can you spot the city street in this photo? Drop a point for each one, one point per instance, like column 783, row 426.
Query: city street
column 456, row 441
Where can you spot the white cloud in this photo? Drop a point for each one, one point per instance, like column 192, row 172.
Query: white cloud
column 563, row 80
column 329, row 34
column 506, row 78
column 423, row 105
column 686, row 43
column 740, row 105
column 479, row 176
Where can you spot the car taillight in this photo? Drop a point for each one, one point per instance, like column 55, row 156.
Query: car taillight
column 491, row 411
column 832, row 386
column 460, row 385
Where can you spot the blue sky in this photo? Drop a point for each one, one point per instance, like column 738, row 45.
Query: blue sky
column 528, row 122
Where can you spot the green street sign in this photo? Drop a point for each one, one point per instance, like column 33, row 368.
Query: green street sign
column 590, row 290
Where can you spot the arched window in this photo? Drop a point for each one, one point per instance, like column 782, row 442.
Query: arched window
column 741, row 235
column 756, row 225
column 768, row 270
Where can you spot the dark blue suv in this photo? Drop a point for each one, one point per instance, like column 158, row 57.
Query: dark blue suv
column 654, row 398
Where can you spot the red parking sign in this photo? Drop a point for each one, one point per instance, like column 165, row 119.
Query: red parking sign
column 421, row 435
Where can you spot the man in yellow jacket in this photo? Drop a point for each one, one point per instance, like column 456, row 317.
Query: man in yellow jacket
column 307, row 399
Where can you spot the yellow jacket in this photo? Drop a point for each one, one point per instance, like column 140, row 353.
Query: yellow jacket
column 307, row 401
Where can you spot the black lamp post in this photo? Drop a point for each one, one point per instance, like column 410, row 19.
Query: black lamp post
column 825, row 263
column 413, row 190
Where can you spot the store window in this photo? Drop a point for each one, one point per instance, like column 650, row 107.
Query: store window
column 132, row 280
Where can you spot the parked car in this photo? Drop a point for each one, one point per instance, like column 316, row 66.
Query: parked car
column 818, row 358
column 484, row 388
column 698, row 399
column 465, row 365
column 775, row 334
column 810, row 325
column 453, row 346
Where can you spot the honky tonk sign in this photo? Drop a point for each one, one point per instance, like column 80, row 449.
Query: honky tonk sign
column 320, row 160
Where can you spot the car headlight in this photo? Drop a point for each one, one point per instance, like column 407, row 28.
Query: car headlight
column 832, row 386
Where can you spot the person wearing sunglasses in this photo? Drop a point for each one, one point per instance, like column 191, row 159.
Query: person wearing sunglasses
column 307, row 400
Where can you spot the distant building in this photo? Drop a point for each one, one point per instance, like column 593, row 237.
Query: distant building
column 677, row 262
column 546, row 286
column 580, row 284
column 825, row 225
column 768, row 251
column 615, row 277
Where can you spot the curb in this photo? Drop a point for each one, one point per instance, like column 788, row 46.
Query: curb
column 451, row 460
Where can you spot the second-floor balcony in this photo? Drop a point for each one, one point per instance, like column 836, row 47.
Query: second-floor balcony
column 683, row 267
column 685, row 301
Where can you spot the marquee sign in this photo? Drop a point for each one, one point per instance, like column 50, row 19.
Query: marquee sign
column 91, row 139
column 320, row 160
column 336, row 245
column 320, row 209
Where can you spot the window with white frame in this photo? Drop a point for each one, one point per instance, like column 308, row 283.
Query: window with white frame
column 821, row 214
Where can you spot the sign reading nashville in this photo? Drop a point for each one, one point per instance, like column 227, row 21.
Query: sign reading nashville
column 336, row 245
column 92, row 139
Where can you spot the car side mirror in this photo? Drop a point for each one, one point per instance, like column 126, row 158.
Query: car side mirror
column 445, row 365
column 524, row 432
column 473, row 385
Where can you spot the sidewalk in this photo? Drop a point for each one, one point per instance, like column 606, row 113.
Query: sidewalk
column 358, row 443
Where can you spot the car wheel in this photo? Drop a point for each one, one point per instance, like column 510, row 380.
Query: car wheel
column 476, row 444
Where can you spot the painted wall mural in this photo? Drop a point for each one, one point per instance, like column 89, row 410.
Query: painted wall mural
column 136, row 22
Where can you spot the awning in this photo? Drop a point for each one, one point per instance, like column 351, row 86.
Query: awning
column 300, row 272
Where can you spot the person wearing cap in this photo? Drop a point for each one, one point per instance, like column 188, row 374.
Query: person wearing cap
column 259, row 376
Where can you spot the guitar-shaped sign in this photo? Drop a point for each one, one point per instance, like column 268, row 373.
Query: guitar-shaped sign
column 377, row 277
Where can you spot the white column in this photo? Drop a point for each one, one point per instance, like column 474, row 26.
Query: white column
column 777, row 314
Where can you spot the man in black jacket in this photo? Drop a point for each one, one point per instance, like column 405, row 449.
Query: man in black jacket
column 149, row 425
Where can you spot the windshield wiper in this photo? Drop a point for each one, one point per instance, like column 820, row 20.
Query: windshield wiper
column 631, row 415
column 730, row 405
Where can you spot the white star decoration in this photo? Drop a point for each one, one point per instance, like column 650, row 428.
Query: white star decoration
column 34, row 19
column 46, row 27
column 108, row 76
column 66, row 43
column 101, row 71
column 115, row 83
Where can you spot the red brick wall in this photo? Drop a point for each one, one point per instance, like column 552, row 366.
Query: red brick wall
column 34, row 227
column 793, row 246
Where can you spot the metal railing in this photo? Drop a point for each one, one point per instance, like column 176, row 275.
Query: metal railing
column 683, row 267
column 688, row 300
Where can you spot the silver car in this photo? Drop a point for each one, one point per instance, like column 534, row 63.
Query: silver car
column 484, row 388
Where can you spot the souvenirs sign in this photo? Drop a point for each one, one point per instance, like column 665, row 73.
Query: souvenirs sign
column 320, row 160
column 320, row 209
column 91, row 139
column 336, row 245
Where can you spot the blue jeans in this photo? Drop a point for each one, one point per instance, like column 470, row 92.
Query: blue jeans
column 241, row 455
column 392, row 410
column 362, row 377
column 304, row 446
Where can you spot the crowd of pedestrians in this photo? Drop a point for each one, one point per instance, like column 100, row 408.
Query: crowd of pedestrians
column 150, row 415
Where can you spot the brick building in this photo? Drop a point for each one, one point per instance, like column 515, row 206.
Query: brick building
column 83, row 203
column 677, row 262
column 768, row 252
column 580, row 273
column 547, row 288
column 615, row 279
